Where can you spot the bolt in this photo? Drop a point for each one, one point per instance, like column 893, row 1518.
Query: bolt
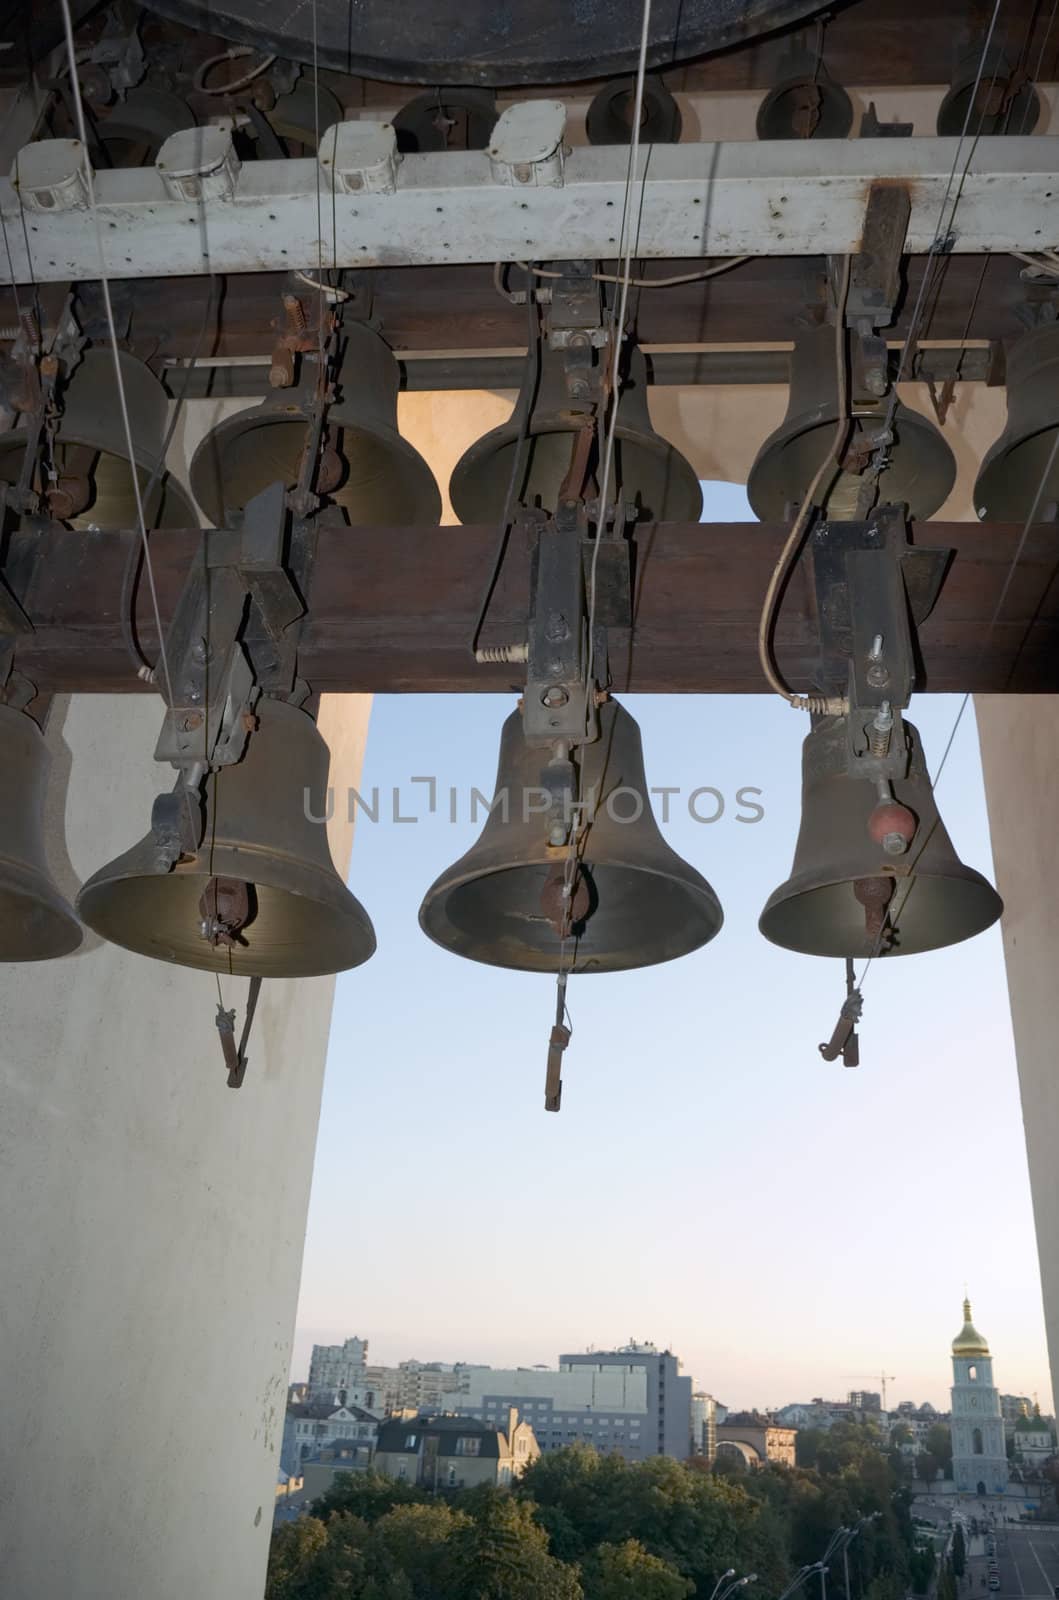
column 556, row 834
column 193, row 721
column 556, row 628
column 894, row 844
column 875, row 653
column 554, row 695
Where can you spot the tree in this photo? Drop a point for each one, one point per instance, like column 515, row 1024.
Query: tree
column 927, row 1467
column 939, row 1442
column 628, row 1572
column 921, row 1570
column 503, row 1555
column 294, row 1548
column 959, row 1551
column 369, row 1495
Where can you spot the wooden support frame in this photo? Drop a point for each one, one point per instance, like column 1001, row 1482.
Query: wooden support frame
column 392, row 609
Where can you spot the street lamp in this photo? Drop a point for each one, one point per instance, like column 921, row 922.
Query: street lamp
column 722, row 1579
column 740, row 1583
column 799, row 1578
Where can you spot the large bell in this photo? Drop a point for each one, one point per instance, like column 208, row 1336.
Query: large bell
column 846, row 896
column 921, row 468
column 636, row 902
column 1019, row 477
column 35, row 921
column 369, row 471
column 296, row 919
column 93, row 487
column 646, row 468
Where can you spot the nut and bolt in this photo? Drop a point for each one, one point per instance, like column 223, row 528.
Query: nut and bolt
column 555, row 695
column 877, row 673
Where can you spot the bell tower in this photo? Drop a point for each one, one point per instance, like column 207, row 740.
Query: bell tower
column 979, row 1457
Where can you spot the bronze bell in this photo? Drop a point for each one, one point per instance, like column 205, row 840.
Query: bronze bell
column 137, row 126
column 846, row 896
column 635, row 901
column 35, row 921
column 646, row 468
column 805, row 104
column 367, row 469
column 260, row 897
column 93, row 484
column 921, row 468
column 988, row 97
column 1016, row 481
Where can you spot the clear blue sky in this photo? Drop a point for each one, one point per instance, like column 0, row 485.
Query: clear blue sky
column 786, row 1226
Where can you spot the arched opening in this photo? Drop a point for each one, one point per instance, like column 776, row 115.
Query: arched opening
column 972, row 1374
column 981, row 1489
column 976, row 1441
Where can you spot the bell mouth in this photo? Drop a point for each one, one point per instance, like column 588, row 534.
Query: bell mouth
column 35, row 922
column 638, row 918
column 932, row 911
column 666, row 487
column 921, row 472
column 1006, row 484
column 112, row 500
column 289, row 935
column 382, row 480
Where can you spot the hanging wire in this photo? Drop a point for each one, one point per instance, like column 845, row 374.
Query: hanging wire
column 528, row 393
column 104, row 280
column 627, row 237
column 134, row 562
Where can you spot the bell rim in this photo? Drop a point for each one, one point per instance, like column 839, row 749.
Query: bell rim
column 167, row 480
column 805, row 884
column 823, row 416
column 36, row 889
column 706, row 896
column 545, row 425
column 271, row 411
column 990, row 503
column 361, row 942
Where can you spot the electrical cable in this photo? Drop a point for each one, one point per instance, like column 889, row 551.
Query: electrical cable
column 796, row 538
column 646, row 283
column 236, row 53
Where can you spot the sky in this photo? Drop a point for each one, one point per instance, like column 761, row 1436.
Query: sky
column 789, row 1227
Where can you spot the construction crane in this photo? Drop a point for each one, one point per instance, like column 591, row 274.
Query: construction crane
column 881, row 1378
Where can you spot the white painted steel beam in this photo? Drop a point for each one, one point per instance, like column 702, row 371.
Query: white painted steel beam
column 776, row 198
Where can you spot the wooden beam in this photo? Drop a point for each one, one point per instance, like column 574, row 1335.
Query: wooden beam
column 392, row 610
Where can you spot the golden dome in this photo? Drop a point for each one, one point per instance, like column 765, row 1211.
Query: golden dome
column 969, row 1342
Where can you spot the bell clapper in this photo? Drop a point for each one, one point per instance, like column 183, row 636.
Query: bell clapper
column 844, row 1041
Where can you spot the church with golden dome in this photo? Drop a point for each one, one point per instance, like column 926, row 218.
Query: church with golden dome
column 979, row 1455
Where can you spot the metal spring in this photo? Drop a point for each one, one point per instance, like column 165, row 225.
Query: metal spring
column 819, row 705
column 502, row 652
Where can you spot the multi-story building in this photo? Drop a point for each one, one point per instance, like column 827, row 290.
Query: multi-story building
column 414, row 1385
column 865, row 1400
column 455, row 1452
column 337, row 1369
column 705, row 1415
column 314, row 1426
column 759, row 1439
column 668, row 1393
column 632, row 1401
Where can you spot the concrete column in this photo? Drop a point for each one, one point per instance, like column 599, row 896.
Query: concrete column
column 153, row 1222
column 1019, row 737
